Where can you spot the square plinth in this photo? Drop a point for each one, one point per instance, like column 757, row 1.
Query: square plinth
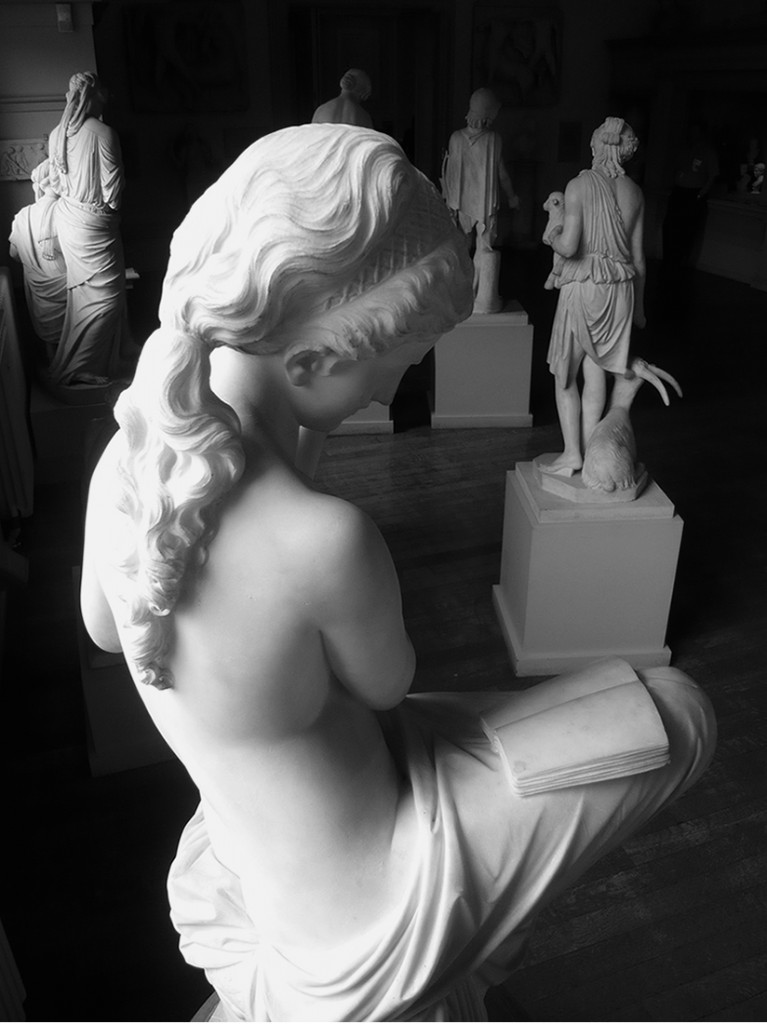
column 581, row 582
column 482, row 371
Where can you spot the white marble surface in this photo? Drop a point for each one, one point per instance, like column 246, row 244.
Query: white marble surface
column 482, row 371
column 580, row 582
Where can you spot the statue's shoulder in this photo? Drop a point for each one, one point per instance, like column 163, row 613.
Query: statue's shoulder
column 630, row 186
column 326, row 547
column 329, row 527
column 629, row 192
column 307, row 527
column 456, row 138
column 100, row 129
column 576, row 187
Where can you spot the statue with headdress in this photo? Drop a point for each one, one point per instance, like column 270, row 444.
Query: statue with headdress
column 599, row 270
column 79, row 225
column 346, row 108
column 473, row 178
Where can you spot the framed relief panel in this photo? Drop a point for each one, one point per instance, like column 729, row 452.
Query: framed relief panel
column 517, row 52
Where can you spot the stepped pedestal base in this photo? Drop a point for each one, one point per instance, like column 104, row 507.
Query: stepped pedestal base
column 584, row 581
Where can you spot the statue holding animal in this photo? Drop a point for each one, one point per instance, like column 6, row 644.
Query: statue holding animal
column 359, row 852
column 555, row 207
column 596, row 233
column 474, row 177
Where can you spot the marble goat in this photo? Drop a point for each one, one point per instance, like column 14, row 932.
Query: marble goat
column 609, row 462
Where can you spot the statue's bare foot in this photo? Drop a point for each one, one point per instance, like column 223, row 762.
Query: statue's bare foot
column 564, row 465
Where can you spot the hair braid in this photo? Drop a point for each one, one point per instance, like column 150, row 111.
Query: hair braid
column 183, row 455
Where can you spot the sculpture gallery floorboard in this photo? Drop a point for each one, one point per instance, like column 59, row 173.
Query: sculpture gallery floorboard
column 580, row 582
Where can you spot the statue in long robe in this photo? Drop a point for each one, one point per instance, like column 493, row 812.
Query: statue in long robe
column 86, row 183
column 473, row 178
column 34, row 243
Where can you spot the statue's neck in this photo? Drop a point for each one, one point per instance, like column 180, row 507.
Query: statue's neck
column 253, row 386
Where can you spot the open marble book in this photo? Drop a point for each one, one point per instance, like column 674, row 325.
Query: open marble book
column 587, row 726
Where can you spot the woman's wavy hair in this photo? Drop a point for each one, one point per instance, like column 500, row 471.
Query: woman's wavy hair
column 612, row 144
column 322, row 233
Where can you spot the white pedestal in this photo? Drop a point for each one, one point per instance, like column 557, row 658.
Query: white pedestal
column 482, row 371
column 581, row 582
column 375, row 419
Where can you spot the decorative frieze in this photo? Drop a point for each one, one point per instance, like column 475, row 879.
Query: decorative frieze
column 18, row 157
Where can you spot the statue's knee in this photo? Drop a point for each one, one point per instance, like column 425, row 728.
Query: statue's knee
column 686, row 710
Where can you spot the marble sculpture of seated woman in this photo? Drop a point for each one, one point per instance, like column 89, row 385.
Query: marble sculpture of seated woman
column 358, row 853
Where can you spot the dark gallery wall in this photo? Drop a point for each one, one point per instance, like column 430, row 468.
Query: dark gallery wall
column 712, row 73
column 193, row 82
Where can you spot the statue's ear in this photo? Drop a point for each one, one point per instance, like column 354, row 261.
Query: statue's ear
column 304, row 364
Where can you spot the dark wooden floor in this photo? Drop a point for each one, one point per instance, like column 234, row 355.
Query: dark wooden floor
column 673, row 926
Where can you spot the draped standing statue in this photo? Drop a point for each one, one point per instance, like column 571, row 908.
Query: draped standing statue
column 34, row 243
column 358, row 853
column 600, row 278
column 84, row 190
column 473, row 178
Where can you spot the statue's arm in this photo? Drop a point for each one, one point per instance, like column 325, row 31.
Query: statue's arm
column 360, row 611
column 568, row 241
column 504, row 179
column 638, row 259
column 97, row 615
column 111, row 164
column 50, row 173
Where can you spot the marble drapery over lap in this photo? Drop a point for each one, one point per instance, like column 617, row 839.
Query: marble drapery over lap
column 485, row 860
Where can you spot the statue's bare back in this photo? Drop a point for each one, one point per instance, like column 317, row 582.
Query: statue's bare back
column 275, row 719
